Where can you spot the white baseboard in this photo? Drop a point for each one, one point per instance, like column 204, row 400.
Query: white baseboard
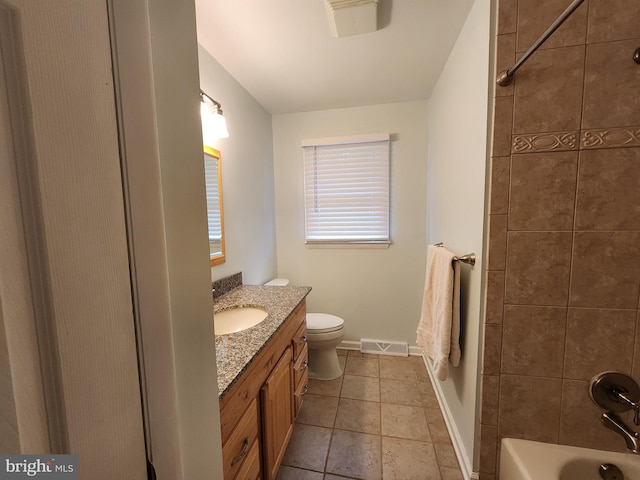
column 465, row 463
column 349, row 345
column 415, row 350
column 463, row 459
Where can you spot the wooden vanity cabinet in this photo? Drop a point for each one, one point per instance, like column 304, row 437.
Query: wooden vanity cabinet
column 277, row 414
column 250, row 469
column 266, row 397
column 299, row 341
column 243, row 439
column 300, row 367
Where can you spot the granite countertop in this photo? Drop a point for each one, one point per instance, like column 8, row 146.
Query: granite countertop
column 236, row 351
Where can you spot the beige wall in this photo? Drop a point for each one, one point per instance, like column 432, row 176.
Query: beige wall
column 564, row 253
column 456, row 203
column 247, row 177
column 376, row 291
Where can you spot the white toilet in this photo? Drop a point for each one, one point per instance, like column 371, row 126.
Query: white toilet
column 324, row 334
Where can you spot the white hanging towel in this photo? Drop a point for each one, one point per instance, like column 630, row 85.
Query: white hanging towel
column 439, row 328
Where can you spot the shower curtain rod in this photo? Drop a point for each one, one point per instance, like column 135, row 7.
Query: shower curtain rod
column 506, row 77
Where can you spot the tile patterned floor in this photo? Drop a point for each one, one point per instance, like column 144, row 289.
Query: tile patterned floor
column 379, row 421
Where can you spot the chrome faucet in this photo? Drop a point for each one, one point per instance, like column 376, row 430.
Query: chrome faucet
column 614, row 422
column 625, row 397
column 617, row 392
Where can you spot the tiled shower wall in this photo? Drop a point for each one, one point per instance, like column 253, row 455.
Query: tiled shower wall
column 564, row 244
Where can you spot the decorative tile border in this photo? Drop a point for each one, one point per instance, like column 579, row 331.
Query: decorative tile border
column 544, row 142
column 589, row 139
column 610, row 138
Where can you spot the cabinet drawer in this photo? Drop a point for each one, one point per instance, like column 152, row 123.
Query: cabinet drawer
column 301, row 366
column 299, row 340
column 301, row 390
column 237, row 448
column 250, row 469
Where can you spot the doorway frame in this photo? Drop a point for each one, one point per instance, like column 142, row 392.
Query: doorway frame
column 156, row 79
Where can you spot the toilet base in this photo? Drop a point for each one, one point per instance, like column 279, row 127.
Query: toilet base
column 324, row 364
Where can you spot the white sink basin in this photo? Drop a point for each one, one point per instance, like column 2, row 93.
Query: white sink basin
column 237, row 319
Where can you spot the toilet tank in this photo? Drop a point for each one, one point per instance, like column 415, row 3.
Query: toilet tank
column 278, row 282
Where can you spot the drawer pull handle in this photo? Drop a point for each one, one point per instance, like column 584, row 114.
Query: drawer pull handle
column 303, row 340
column 304, row 391
column 243, row 453
column 305, row 365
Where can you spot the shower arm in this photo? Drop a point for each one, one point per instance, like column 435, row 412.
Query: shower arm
column 506, row 77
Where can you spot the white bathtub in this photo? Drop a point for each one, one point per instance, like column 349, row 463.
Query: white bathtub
column 526, row 460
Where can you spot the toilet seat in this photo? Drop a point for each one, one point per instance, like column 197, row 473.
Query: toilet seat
column 323, row 323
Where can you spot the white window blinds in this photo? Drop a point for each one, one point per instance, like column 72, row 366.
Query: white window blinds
column 213, row 199
column 346, row 186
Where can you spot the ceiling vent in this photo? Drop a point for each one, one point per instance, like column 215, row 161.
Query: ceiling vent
column 352, row 17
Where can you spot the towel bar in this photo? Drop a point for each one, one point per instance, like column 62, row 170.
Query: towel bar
column 469, row 258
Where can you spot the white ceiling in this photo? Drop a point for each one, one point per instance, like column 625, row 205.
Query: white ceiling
column 283, row 54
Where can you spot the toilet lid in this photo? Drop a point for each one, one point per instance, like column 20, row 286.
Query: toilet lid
column 323, row 323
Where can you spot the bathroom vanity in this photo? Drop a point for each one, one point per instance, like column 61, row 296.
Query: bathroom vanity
column 262, row 379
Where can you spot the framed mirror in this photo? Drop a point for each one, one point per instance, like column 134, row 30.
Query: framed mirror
column 215, row 212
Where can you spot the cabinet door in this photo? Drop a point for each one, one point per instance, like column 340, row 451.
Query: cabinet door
column 277, row 413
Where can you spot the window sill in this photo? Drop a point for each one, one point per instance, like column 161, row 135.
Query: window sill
column 363, row 245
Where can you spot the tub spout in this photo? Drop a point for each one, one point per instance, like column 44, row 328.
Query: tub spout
column 615, row 423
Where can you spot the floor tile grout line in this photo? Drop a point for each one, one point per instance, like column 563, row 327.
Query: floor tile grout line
column 326, row 460
column 425, row 405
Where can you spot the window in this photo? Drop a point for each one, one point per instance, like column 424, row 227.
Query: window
column 346, row 189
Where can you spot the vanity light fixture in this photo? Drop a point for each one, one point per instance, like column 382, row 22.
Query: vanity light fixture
column 213, row 123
